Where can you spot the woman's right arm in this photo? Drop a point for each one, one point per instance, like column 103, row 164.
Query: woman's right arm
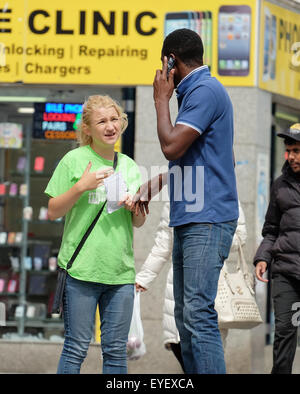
column 60, row 205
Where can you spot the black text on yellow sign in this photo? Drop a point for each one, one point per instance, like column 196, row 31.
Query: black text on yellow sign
column 116, row 22
column 48, row 34
column 111, row 43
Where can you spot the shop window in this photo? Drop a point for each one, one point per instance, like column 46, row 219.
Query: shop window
column 26, row 234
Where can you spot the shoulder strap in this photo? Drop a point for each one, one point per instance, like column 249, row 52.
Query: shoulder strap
column 115, row 160
column 92, row 225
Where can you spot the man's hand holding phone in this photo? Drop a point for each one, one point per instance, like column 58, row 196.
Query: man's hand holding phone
column 170, row 65
column 163, row 83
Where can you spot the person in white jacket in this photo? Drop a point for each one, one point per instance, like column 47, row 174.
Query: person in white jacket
column 160, row 255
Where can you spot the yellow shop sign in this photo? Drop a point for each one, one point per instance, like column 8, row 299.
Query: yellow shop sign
column 117, row 43
column 280, row 50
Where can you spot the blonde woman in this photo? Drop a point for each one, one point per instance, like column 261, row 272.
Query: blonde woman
column 103, row 272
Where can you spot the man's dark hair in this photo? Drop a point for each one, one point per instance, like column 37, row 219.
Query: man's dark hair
column 185, row 44
column 289, row 141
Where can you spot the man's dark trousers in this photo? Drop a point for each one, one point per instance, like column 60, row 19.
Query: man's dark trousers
column 285, row 294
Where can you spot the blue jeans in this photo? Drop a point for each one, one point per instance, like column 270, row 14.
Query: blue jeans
column 80, row 303
column 199, row 252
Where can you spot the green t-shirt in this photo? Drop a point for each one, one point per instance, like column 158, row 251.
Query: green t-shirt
column 107, row 255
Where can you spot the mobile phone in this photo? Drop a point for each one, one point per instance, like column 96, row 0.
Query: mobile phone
column 203, row 27
column 39, row 162
column 234, row 40
column 266, row 68
column 273, row 43
column 194, row 20
column 178, row 20
column 171, row 63
column 207, row 16
column 198, row 22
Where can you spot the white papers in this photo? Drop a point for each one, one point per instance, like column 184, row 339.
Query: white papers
column 116, row 189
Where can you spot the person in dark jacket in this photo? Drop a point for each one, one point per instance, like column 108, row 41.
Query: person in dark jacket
column 279, row 251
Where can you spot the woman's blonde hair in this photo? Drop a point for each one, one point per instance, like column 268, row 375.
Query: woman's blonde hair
column 89, row 106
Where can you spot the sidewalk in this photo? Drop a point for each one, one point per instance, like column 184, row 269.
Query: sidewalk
column 42, row 358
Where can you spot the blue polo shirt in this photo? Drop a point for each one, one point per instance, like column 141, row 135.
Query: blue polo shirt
column 202, row 184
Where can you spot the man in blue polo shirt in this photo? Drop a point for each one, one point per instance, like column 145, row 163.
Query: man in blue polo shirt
column 203, row 196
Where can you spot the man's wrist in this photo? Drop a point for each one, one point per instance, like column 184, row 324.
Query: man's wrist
column 160, row 101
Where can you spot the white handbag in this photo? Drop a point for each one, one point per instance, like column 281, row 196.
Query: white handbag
column 235, row 301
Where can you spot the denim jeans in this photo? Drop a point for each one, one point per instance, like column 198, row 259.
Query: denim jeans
column 199, row 252
column 79, row 305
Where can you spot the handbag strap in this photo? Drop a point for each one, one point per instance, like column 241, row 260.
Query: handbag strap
column 92, row 225
column 244, row 268
column 242, row 264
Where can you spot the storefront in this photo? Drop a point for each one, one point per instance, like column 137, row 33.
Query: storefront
column 279, row 74
column 35, row 134
column 61, row 53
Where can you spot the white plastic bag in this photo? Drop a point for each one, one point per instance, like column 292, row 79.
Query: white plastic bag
column 135, row 346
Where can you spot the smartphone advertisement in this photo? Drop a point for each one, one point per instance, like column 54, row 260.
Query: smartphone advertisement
column 228, row 35
column 198, row 21
column 270, row 45
column 234, row 37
